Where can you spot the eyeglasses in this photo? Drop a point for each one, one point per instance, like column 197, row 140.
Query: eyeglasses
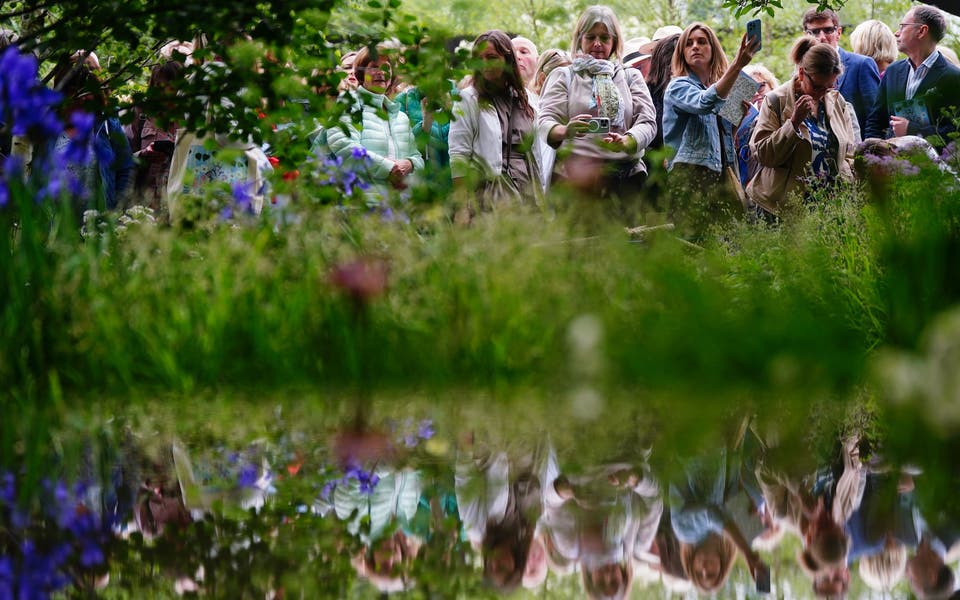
column 821, row 89
column 591, row 38
column 818, row 30
column 902, row 25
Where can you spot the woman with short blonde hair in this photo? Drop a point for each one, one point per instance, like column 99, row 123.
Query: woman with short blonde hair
column 873, row 38
column 591, row 16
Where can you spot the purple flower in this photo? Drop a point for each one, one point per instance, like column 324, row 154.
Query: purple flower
column 91, row 555
column 359, row 153
column 25, row 104
column 426, row 431
column 248, row 476
column 242, row 196
column 8, row 489
column 368, row 483
column 78, row 149
column 4, row 194
column 367, row 480
column 328, row 489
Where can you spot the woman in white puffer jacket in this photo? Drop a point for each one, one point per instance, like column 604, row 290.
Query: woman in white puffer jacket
column 387, row 142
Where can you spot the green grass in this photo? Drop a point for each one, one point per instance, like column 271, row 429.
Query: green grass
column 517, row 326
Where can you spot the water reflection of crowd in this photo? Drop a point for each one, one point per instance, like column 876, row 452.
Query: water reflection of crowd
column 526, row 513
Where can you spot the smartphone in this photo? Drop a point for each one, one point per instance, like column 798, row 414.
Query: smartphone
column 762, row 579
column 753, row 31
column 598, row 125
column 164, row 147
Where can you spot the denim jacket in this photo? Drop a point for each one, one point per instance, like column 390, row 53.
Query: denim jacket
column 690, row 124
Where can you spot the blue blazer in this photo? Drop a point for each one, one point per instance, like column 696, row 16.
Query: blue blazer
column 939, row 89
column 859, row 83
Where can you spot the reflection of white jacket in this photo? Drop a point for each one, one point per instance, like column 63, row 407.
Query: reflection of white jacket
column 476, row 140
column 396, row 496
column 483, row 493
column 602, row 524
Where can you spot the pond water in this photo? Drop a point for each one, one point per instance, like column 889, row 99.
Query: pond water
column 583, row 493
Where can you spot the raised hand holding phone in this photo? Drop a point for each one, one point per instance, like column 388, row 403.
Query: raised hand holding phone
column 754, row 33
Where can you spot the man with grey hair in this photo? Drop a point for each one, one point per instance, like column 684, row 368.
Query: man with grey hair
column 916, row 91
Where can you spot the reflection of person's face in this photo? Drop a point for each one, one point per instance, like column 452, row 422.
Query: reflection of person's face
column 597, row 42
column 387, row 555
column 526, row 54
column 697, row 51
column 707, row 565
column 833, row 582
column 924, row 568
column 536, row 567
column 501, row 562
column 608, row 579
column 377, row 75
column 492, row 63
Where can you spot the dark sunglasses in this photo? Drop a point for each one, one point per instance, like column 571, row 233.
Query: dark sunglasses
column 818, row 30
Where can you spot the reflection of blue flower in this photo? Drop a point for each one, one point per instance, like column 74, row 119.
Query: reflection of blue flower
column 91, row 555
column 8, row 490
column 425, row 432
column 248, row 476
column 328, row 489
column 367, row 480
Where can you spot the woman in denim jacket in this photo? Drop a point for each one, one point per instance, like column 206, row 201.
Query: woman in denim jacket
column 702, row 141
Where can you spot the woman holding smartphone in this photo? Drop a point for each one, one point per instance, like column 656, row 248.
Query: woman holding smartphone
column 701, row 139
column 599, row 115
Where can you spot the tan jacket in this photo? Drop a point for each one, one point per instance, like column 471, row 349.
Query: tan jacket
column 784, row 155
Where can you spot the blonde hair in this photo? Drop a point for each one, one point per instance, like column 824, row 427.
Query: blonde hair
column 885, row 569
column 718, row 60
column 949, row 54
column 592, row 15
column 874, row 38
column 728, row 554
column 762, row 74
column 549, row 60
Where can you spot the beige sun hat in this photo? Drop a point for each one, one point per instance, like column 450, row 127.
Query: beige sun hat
column 661, row 33
column 632, row 53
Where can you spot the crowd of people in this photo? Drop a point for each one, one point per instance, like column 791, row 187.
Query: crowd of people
column 590, row 119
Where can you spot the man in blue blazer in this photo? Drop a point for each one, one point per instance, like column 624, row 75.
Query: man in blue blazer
column 860, row 80
column 917, row 90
